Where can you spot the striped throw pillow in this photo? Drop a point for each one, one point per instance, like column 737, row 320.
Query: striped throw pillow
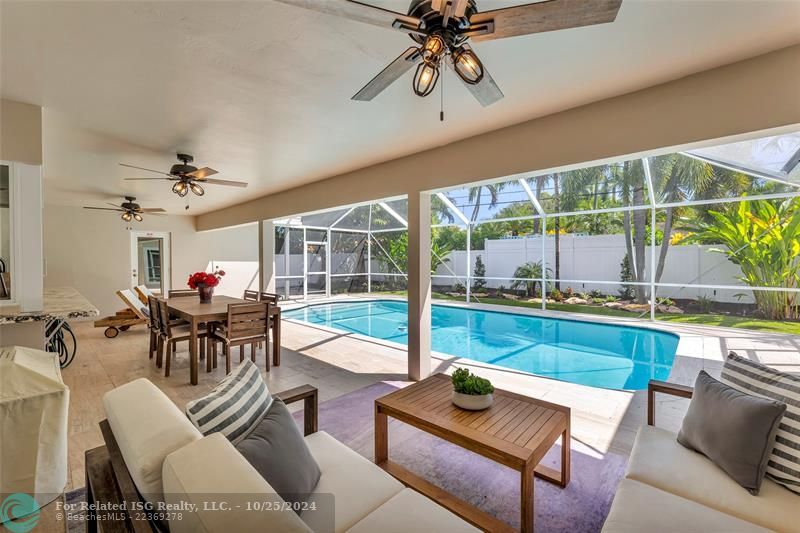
column 233, row 407
column 759, row 380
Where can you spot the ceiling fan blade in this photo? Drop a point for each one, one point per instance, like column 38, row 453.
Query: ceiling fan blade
column 360, row 12
column 541, row 17
column 485, row 91
column 104, row 209
column 389, row 75
column 114, row 205
column 202, row 173
column 152, row 210
column 146, row 169
column 226, row 182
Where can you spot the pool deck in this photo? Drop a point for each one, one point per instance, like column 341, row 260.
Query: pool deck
column 603, row 419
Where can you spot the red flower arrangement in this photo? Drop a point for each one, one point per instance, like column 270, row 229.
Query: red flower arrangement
column 204, row 279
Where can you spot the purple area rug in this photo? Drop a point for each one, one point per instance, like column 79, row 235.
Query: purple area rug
column 581, row 507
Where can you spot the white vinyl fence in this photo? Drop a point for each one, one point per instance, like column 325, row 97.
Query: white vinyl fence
column 598, row 258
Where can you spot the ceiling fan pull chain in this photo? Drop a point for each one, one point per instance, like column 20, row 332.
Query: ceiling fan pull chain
column 441, row 93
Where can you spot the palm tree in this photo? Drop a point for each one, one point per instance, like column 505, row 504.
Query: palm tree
column 540, row 182
column 532, row 271
column 630, row 178
column 677, row 178
column 476, row 193
column 440, row 213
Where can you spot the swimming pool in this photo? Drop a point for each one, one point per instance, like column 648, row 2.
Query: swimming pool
column 594, row 354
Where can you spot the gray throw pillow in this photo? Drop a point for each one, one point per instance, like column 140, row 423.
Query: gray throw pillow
column 278, row 451
column 735, row 430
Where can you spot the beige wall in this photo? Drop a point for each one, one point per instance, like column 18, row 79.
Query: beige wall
column 91, row 250
column 20, row 132
column 757, row 94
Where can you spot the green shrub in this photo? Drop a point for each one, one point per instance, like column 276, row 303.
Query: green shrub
column 705, row 303
column 556, row 295
column 467, row 383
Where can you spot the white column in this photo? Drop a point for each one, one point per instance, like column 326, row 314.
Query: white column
column 266, row 254
column 27, row 257
column 419, row 285
column 651, row 195
column 469, row 262
column 328, row 264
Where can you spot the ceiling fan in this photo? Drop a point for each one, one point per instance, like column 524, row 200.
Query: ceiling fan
column 187, row 177
column 441, row 30
column 130, row 209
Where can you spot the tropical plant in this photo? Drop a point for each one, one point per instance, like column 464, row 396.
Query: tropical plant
column 763, row 239
column 532, row 272
column 705, row 303
column 478, row 283
column 596, row 294
column 397, row 249
column 465, row 382
column 556, row 295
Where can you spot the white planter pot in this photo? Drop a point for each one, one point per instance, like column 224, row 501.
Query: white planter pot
column 471, row 402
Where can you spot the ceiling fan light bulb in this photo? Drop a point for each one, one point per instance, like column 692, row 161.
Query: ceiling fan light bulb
column 425, row 78
column 126, row 216
column 197, row 189
column 467, row 65
column 137, row 217
column 434, row 46
column 180, row 189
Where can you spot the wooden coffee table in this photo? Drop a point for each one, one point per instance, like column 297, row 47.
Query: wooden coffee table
column 515, row 431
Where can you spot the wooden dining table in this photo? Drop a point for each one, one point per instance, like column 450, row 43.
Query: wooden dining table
column 195, row 313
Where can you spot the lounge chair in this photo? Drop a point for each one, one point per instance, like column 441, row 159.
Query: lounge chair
column 135, row 313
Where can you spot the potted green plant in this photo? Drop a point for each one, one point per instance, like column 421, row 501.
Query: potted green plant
column 470, row 391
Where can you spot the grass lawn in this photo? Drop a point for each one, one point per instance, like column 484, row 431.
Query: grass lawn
column 777, row 326
column 727, row 321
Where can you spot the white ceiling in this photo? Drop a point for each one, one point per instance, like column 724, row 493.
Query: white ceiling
column 261, row 91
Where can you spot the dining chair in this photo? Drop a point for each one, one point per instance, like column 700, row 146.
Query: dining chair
column 270, row 297
column 247, row 324
column 274, row 322
column 251, row 296
column 154, row 323
column 173, row 332
column 177, row 293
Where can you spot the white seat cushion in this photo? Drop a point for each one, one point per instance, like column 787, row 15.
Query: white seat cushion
column 358, row 485
column 147, row 427
column 411, row 511
column 639, row 507
column 658, row 460
column 225, row 476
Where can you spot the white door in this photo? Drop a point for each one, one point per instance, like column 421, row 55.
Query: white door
column 150, row 260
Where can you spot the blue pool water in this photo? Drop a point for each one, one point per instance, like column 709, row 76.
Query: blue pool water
column 598, row 355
